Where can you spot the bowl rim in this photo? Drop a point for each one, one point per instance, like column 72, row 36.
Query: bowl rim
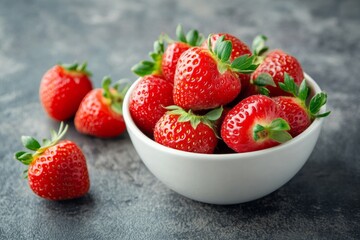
column 131, row 126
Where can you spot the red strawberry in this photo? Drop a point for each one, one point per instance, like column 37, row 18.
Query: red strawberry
column 296, row 112
column 62, row 88
column 57, row 170
column 148, row 100
column 275, row 64
column 239, row 48
column 186, row 131
column 100, row 112
column 206, row 79
column 253, row 124
column 176, row 48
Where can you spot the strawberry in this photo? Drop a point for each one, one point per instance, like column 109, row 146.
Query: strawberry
column 298, row 114
column 206, row 78
column 62, row 88
column 100, row 112
column 239, row 48
column 186, row 131
column 272, row 69
column 57, row 170
column 147, row 102
column 176, row 48
column 254, row 124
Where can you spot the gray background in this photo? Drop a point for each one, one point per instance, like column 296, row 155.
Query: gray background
column 126, row 201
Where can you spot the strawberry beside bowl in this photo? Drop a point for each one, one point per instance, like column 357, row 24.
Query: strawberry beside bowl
column 225, row 178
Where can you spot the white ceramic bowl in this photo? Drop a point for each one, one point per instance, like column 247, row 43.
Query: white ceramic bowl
column 225, row 178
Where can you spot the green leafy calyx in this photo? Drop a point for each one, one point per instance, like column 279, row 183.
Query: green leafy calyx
column 263, row 80
column 34, row 145
column 193, row 38
column 259, row 45
column 188, row 116
column 115, row 94
column 222, row 52
column 145, row 67
column 76, row 67
column 277, row 130
column 302, row 93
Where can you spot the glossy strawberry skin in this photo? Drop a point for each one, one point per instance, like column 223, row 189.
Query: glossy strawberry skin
column 170, row 59
column 95, row 117
column 147, row 102
column 199, row 85
column 239, row 48
column 182, row 136
column 238, row 125
column 61, row 92
column 276, row 63
column 60, row 172
column 295, row 113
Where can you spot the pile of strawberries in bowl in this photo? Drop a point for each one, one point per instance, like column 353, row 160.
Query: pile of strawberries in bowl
column 221, row 123
column 218, row 95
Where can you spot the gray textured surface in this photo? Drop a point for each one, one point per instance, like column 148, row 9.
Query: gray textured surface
column 125, row 201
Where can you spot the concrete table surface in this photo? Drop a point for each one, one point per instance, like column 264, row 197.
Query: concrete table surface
column 125, row 200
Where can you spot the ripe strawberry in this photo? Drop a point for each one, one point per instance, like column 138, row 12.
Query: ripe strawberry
column 148, row 100
column 186, row 131
column 239, row 48
column 253, row 124
column 206, row 78
column 176, row 48
column 57, row 170
column 298, row 114
column 62, row 88
column 275, row 64
column 100, row 112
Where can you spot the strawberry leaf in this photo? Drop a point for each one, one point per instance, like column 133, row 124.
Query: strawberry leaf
column 278, row 130
column 192, row 37
column 317, row 102
column 289, row 85
column 144, row 68
column 18, row 154
column 325, row 114
column 184, row 118
column 264, row 79
column 223, row 49
column 105, row 84
column 76, row 67
column 214, row 114
column 194, row 121
column 258, row 45
column 30, row 143
column 244, row 64
column 172, row 107
column 279, row 124
column 303, row 91
column 24, row 157
column 117, row 107
column 180, row 34
column 264, row 91
column 258, row 132
column 280, row 136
